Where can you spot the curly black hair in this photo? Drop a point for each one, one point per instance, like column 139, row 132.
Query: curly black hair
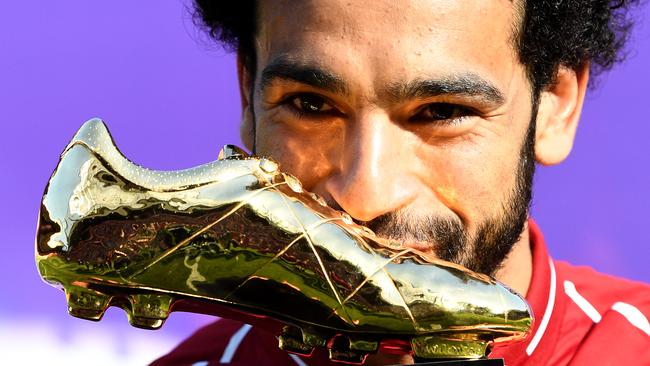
column 551, row 33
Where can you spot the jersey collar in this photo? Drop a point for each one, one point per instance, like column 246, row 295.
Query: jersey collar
column 547, row 310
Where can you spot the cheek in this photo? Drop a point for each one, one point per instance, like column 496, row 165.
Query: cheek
column 308, row 153
column 472, row 178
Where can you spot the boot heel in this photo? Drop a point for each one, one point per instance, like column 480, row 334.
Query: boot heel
column 148, row 311
column 86, row 303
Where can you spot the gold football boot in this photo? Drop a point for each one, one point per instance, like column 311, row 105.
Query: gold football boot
column 240, row 239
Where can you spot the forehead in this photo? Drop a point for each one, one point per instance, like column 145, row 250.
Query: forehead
column 391, row 38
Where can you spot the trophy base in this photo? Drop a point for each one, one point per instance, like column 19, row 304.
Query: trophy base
column 485, row 362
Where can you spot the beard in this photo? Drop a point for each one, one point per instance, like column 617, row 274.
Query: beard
column 485, row 251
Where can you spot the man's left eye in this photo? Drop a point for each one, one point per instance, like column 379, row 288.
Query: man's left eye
column 311, row 104
column 440, row 112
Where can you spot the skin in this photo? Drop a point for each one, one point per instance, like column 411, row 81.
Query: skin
column 371, row 148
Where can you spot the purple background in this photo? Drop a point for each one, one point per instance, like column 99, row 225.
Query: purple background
column 170, row 99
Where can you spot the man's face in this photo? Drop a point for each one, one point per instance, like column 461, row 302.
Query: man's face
column 411, row 116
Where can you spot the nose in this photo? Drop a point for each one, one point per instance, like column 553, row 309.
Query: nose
column 373, row 177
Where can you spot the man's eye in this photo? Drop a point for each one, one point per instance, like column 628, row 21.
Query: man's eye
column 311, row 104
column 441, row 112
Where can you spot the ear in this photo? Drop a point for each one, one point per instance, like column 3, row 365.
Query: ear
column 247, row 124
column 559, row 111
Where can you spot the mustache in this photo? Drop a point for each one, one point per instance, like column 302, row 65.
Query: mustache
column 482, row 250
column 445, row 236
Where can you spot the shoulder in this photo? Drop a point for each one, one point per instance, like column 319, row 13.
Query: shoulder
column 602, row 291
column 227, row 342
column 607, row 315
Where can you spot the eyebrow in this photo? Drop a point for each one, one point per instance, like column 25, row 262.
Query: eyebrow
column 469, row 84
column 284, row 68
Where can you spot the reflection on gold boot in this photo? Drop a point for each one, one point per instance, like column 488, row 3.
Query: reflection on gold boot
column 240, row 239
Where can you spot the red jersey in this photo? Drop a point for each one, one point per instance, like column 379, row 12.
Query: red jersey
column 582, row 317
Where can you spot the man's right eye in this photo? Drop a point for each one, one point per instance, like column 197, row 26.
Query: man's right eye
column 310, row 104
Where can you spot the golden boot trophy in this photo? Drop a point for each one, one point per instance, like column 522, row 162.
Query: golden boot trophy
column 240, row 239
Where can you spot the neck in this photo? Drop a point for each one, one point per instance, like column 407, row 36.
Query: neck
column 517, row 269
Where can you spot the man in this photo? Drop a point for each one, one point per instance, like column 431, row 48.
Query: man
column 423, row 120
